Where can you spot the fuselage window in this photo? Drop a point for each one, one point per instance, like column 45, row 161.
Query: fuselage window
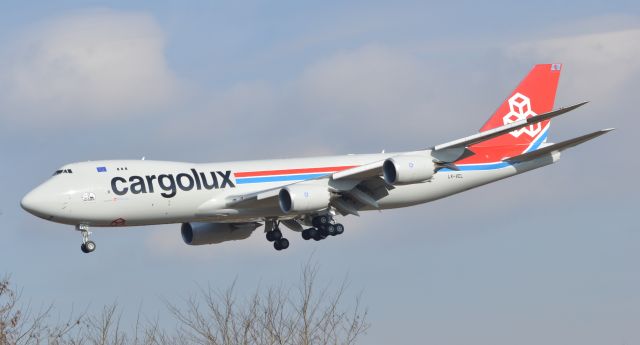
column 65, row 171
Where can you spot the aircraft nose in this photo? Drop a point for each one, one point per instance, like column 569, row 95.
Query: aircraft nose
column 39, row 202
column 48, row 201
column 30, row 203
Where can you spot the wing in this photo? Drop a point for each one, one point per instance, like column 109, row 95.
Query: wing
column 361, row 187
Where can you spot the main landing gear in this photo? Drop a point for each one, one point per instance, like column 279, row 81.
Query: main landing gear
column 279, row 242
column 323, row 227
column 87, row 245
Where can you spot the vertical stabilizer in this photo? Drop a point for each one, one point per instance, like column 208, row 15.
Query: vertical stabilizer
column 534, row 95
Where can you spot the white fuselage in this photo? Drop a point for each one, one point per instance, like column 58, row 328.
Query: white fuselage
column 142, row 192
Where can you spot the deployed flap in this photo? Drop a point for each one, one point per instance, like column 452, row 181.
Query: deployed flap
column 363, row 197
column 498, row 131
column 345, row 207
column 452, row 154
column 292, row 224
column 557, row 147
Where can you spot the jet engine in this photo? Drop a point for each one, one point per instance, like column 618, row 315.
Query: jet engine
column 303, row 198
column 408, row 169
column 196, row 234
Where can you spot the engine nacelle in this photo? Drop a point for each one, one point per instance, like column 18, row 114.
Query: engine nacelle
column 408, row 169
column 303, row 198
column 196, row 234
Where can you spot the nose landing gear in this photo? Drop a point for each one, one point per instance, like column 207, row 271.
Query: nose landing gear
column 87, row 245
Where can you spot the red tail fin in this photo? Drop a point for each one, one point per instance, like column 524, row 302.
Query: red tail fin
column 534, row 95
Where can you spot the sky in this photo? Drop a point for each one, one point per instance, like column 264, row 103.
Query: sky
column 550, row 256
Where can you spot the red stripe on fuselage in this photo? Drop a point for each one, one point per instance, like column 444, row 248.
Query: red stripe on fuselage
column 292, row 171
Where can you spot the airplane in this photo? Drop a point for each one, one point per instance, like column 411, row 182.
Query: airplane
column 218, row 202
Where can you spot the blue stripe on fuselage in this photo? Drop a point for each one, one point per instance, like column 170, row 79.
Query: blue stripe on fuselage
column 470, row 167
column 490, row 166
column 538, row 142
column 499, row 165
column 478, row 167
column 280, row 178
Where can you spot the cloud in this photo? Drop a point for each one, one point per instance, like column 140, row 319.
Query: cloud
column 396, row 99
column 604, row 68
column 600, row 63
column 98, row 64
column 365, row 82
column 375, row 90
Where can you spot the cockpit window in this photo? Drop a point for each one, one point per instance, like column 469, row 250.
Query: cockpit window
column 62, row 171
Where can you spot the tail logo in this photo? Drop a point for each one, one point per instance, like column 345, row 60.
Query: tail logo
column 520, row 109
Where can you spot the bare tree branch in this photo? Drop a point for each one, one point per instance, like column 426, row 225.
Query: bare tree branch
column 308, row 313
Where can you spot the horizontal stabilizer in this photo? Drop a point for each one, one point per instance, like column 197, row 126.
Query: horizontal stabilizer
column 498, row 131
column 557, row 147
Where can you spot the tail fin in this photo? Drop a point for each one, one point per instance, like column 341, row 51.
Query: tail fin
column 534, row 95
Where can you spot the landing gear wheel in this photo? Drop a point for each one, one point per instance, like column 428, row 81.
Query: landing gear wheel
column 306, row 234
column 318, row 235
column 274, row 235
column 320, row 220
column 281, row 244
column 88, row 247
column 330, row 229
column 327, row 230
column 339, row 229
